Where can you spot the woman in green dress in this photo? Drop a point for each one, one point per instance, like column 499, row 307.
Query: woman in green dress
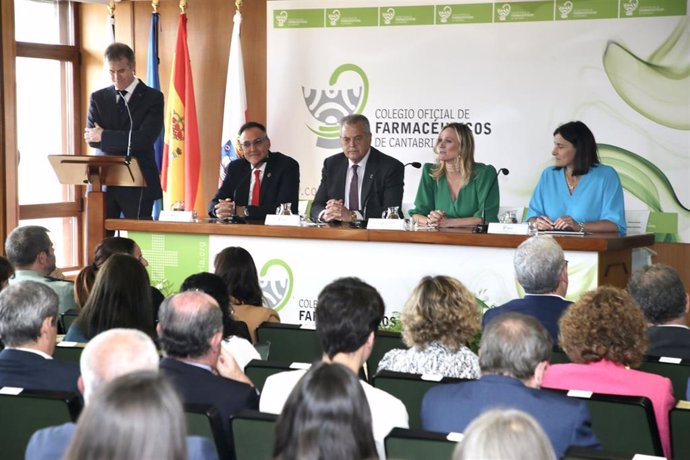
column 455, row 190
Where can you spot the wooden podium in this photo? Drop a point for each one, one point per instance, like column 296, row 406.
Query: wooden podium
column 98, row 171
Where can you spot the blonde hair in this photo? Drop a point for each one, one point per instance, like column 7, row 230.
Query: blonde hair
column 464, row 162
column 440, row 309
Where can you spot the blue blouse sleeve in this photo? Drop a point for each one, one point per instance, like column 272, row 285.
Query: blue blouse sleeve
column 536, row 203
column 613, row 204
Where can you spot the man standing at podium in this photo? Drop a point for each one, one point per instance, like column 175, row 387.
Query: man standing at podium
column 126, row 119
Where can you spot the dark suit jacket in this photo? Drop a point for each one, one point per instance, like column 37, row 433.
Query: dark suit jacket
column 452, row 406
column 52, row 442
column 547, row 309
column 199, row 386
column 146, row 106
column 670, row 341
column 382, row 184
column 28, row 370
column 279, row 184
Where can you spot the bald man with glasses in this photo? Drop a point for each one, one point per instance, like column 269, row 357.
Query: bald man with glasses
column 256, row 184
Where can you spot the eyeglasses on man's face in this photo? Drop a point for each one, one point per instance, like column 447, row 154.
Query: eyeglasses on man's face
column 246, row 145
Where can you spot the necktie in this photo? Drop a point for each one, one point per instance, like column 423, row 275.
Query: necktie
column 257, row 187
column 354, row 189
column 121, row 101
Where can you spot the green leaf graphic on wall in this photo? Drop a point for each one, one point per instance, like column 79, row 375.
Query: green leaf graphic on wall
column 658, row 88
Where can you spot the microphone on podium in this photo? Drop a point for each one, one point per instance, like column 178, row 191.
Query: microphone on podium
column 128, row 156
column 414, row 164
column 484, row 227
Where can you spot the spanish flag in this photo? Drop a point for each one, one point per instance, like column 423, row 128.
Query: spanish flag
column 180, row 170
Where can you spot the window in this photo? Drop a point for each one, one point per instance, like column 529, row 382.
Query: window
column 48, row 120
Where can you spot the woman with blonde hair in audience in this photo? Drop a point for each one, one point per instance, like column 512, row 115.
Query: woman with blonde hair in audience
column 438, row 321
column 236, row 267
column 121, row 297
column 326, row 416
column 504, row 434
column 605, row 335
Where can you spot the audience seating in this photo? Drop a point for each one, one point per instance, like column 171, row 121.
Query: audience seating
column 290, row 342
column 66, row 320
column 678, row 373
column 71, row 353
column 623, row 423
column 204, row 420
column 558, row 356
column 253, row 435
column 587, row 453
column 402, row 444
column 410, row 389
column 384, row 342
column 679, row 419
column 258, row 371
column 23, row 414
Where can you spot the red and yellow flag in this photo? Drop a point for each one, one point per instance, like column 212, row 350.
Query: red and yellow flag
column 180, row 169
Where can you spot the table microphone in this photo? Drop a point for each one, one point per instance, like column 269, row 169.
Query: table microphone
column 414, row 164
column 128, row 156
column 235, row 219
column 484, row 227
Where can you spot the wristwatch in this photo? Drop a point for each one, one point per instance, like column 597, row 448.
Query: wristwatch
column 353, row 216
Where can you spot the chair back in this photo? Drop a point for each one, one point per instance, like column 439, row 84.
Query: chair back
column 622, row 423
column 410, row 389
column 68, row 351
column 253, row 433
column 383, row 342
column 404, row 444
column 258, row 371
column 23, row 414
column 679, row 419
column 589, row 453
column 677, row 370
column 204, row 420
column 66, row 320
column 558, row 356
column 290, row 342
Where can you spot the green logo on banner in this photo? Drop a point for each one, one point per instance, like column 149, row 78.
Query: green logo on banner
column 295, row 19
column 352, row 17
column 651, row 8
column 524, row 11
column 276, row 282
column 328, row 106
column 464, row 14
column 585, row 9
column 406, row 15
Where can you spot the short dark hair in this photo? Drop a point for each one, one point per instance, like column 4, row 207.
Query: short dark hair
column 236, row 267
column 348, row 310
column 514, row 344
column 214, row 286
column 578, row 134
column 117, row 51
column 6, row 270
column 660, row 292
column 326, row 416
column 23, row 308
column 250, row 125
column 187, row 334
column 24, row 244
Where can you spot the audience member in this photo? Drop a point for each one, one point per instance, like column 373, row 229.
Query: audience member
column 213, row 285
column 504, row 434
column 514, row 353
column 236, row 267
column 109, row 246
column 348, row 313
column 438, row 321
column 136, row 416
column 32, row 253
column 121, row 297
column 360, row 182
column 542, row 271
column 326, row 416
column 109, row 355
column 190, row 329
column 6, row 272
column 604, row 335
column 660, row 292
column 28, row 328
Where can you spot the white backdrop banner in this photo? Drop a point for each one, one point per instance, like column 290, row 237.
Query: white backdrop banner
column 513, row 70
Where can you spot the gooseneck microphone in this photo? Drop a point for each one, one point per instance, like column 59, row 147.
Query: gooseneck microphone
column 484, row 227
column 128, row 156
column 414, row 164
column 235, row 219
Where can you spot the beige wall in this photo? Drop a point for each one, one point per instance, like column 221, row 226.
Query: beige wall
column 209, row 27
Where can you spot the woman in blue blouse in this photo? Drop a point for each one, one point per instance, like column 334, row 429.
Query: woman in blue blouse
column 578, row 193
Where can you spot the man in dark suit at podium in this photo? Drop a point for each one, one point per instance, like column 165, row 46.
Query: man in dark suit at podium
column 360, row 182
column 111, row 131
column 257, row 183
column 660, row 292
column 542, row 271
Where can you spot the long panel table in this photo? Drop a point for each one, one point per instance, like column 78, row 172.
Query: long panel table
column 294, row 263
